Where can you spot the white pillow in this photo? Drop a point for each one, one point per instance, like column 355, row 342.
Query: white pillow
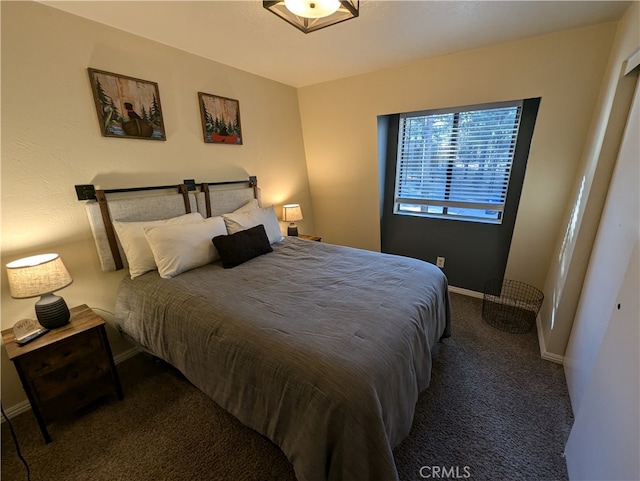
column 248, row 207
column 179, row 248
column 135, row 245
column 237, row 221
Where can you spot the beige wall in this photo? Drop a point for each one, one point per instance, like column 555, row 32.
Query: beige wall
column 340, row 132
column 573, row 247
column 51, row 141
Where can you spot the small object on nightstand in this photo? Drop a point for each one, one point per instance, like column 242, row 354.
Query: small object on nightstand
column 65, row 369
column 27, row 330
column 310, row 237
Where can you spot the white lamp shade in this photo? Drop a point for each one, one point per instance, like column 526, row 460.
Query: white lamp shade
column 37, row 275
column 291, row 212
column 312, row 8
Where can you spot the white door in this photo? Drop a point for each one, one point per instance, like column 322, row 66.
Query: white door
column 604, row 443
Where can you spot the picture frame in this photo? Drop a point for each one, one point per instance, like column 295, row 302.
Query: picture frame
column 220, row 118
column 127, row 107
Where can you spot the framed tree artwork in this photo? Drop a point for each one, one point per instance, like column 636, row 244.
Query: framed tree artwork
column 220, row 119
column 127, row 107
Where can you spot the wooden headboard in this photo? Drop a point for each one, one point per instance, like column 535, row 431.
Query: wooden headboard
column 138, row 204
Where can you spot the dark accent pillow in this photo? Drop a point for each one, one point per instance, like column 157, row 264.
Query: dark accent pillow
column 234, row 249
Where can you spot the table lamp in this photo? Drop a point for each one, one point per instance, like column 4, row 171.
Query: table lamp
column 41, row 275
column 292, row 213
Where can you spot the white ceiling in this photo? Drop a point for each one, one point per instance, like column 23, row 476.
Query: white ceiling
column 387, row 33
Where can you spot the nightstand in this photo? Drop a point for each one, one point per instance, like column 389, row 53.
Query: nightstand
column 67, row 368
column 310, row 237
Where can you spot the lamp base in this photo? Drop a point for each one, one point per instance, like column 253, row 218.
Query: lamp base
column 52, row 311
column 292, row 230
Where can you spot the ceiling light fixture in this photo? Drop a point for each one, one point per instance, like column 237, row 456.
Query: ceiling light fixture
column 311, row 15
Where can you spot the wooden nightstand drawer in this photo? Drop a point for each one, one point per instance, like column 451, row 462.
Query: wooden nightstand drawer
column 57, row 382
column 60, row 354
column 76, row 397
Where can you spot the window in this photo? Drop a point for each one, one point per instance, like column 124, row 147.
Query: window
column 456, row 163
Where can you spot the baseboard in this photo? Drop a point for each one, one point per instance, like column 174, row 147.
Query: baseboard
column 466, row 292
column 25, row 406
column 123, row 356
column 19, row 408
column 544, row 354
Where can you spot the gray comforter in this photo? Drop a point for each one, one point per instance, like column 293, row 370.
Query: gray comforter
column 321, row 348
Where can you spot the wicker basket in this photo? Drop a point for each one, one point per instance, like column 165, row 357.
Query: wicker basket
column 511, row 306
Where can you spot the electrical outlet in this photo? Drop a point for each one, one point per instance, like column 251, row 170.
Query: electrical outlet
column 440, row 261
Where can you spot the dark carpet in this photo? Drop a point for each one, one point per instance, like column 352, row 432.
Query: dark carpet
column 494, row 411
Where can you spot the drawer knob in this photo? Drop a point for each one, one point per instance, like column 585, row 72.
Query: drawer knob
column 44, row 365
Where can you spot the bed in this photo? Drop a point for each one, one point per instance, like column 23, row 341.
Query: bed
column 321, row 348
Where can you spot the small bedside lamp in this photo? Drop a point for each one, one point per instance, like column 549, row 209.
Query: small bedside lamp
column 41, row 275
column 292, row 213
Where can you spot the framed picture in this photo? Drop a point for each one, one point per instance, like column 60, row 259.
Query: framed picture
column 127, row 107
column 220, row 119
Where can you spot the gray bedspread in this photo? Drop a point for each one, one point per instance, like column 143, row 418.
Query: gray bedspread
column 321, row 348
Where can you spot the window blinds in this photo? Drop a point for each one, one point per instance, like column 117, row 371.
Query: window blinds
column 456, row 163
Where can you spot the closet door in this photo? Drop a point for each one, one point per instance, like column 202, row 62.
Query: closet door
column 604, row 443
